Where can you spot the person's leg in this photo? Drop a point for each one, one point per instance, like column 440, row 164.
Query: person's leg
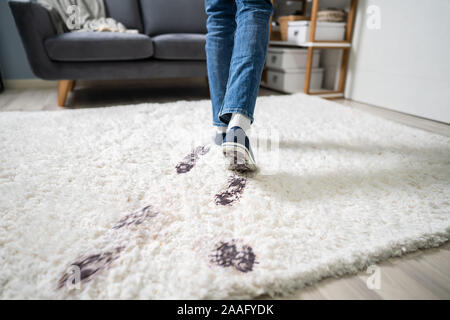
column 221, row 26
column 249, row 54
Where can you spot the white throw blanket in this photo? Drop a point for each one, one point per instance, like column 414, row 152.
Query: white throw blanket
column 82, row 15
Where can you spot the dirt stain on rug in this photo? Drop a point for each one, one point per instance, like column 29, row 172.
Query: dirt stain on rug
column 191, row 159
column 136, row 218
column 87, row 267
column 232, row 192
column 231, row 254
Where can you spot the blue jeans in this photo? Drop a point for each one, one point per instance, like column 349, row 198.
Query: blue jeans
column 236, row 47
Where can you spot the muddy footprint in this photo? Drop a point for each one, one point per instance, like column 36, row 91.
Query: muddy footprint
column 136, row 218
column 191, row 159
column 87, row 267
column 230, row 254
column 233, row 191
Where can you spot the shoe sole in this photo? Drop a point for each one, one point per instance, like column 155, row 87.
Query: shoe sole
column 238, row 157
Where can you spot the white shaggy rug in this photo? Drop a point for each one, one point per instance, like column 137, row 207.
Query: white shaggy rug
column 107, row 203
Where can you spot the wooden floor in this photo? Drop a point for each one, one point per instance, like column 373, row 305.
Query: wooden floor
column 424, row 274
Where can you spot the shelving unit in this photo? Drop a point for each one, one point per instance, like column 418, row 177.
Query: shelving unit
column 313, row 44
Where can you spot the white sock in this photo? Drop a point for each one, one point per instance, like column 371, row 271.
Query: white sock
column 220, row 129
column 239, row 120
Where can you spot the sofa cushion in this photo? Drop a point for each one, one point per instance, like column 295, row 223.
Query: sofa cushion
column 179, row 46
column 173, row 16
column 99, row 46
column 126, row 12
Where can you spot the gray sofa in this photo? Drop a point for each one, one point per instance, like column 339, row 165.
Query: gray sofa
column 170, row 43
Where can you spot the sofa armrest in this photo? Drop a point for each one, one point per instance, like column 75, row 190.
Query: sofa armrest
column 35, row 25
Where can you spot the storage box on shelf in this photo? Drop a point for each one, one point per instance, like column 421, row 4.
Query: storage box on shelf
column 293, row 80
column 298, row 31
column 286, row 69
column 290, row 58
column 284, row 24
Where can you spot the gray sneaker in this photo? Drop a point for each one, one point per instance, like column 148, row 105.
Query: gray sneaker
column 237, row 151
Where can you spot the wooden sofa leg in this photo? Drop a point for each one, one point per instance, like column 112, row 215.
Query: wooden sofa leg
column 64, row 86
column 72, row 85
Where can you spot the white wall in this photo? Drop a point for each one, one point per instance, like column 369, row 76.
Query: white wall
column 405, row 65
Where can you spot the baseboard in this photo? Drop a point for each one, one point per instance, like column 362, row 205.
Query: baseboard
column 29, row 83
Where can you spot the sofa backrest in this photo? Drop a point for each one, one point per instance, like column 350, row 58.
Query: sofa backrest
column 126, row 12
column 173, row 16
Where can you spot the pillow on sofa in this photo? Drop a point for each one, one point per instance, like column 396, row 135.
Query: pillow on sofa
column 127, row 12
column 173, row 16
